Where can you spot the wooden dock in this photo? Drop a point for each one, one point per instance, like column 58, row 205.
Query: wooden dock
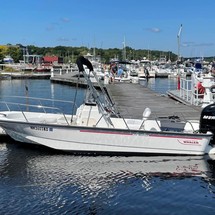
column 132, row 99
column 70, row 79
column 23, row 75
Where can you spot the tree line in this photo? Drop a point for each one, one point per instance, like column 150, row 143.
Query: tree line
column 70, row 54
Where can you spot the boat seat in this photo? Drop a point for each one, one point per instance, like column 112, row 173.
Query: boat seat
column 146, row 115
column 134, row 123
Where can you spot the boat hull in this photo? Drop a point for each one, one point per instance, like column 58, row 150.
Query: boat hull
column 106, row 140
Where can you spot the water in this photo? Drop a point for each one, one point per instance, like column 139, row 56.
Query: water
column 37, row 180
column 41, row 89
column 161, row 85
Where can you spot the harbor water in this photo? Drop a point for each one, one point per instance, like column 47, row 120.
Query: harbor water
column 38, row 180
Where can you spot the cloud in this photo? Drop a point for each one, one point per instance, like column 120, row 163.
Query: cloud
column 63, row 39
column 187, row 44
column 154, row 30
column 50, row 28
column 205, row 44
column 192, row 44
column 65, row 20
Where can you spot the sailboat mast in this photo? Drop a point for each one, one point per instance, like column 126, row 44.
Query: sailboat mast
column 179, row 41
column 124, row 50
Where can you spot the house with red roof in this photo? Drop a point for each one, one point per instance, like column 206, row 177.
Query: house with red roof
column 52, row 60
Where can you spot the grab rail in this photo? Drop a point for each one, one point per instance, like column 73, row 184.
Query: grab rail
column 28, row 103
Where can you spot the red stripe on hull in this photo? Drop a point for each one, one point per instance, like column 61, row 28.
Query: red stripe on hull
column 105, row 132
column 151, row 135
column 193, row 138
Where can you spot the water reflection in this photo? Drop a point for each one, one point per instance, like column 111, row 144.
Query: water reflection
column 42, row 166
column 64, row 181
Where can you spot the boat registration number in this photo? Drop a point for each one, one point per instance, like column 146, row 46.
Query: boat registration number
column 41, row 128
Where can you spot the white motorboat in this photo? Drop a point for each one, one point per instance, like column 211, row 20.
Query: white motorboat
column 97, row 127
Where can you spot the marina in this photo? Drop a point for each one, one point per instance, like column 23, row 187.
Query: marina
column 107, row 108
column 66, row 183
column 98, row 126
column 132, row 106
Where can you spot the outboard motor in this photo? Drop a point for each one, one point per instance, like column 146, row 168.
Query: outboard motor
column 207, row 120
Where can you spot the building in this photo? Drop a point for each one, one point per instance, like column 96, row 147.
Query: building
column 52, row 60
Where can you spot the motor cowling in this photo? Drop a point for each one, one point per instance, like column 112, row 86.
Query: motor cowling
column 207, row 120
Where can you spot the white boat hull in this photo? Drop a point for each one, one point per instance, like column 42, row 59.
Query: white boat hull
column 106, row 140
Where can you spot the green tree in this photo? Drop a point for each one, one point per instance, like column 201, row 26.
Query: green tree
column 71, row 53
column 15, row 53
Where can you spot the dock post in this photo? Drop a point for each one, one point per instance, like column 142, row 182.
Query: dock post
column 179, row 82
column 52, row 72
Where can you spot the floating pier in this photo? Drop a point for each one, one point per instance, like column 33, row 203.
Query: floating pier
column 132, row 99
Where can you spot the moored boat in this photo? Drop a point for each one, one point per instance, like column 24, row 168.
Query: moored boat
column 97, row 127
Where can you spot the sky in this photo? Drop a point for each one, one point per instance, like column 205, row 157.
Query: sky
column 139, row 24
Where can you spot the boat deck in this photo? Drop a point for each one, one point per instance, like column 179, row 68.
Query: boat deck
column 132, row 99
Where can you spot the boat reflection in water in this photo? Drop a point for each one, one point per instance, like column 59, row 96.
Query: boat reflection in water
column 67, row 182
column 42, row 165
column 98, row 172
